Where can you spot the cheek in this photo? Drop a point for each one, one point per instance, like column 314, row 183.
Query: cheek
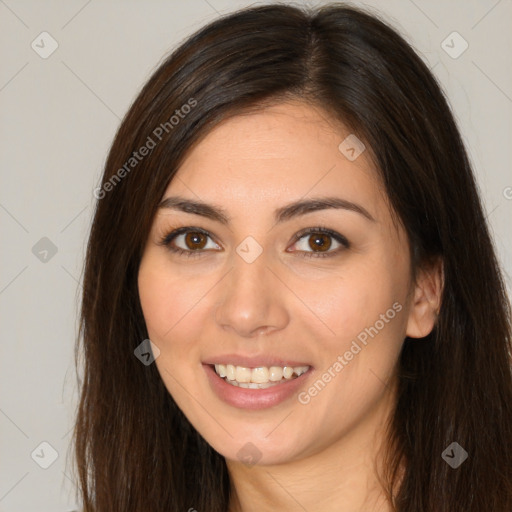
column 350, row 300
column 171, row 311
column 359, row 356
column 156, row 302
column 168, row 301
column 363, row 325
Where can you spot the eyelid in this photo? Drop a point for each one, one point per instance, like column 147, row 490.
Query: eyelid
column 326, row 231
column 175, row 232
column 166, row 240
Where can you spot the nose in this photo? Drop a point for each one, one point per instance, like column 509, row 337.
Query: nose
column 252, row 299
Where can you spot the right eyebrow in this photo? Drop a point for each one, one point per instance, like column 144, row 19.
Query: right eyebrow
column 197, row 207
column 287, row 212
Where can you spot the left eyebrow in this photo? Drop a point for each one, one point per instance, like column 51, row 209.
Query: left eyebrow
column 290, row 211
column 320, row 203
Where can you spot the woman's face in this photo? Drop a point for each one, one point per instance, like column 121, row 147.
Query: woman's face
column 290, row 259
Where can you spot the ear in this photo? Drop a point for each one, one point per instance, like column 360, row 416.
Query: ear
column 426, row 300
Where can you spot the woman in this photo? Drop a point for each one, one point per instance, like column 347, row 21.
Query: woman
column 288, row 213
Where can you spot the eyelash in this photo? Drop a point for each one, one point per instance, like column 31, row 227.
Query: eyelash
column 169, row 237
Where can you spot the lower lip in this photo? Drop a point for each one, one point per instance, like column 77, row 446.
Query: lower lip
column 244, row 398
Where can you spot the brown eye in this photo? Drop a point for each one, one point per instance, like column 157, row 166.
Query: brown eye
column 195, row 241
column 319, row 242
column 189, row 241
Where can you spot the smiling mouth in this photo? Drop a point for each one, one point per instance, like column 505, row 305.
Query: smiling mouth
column 261, row 377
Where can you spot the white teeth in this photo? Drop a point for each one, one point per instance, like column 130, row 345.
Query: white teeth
column 259, row 375
column 276, row 373
column 253, row 385
column 299, row 370
column 287, row 372
column 230, row 372
column 243, row 374
column 258, row 378
column 220, row 369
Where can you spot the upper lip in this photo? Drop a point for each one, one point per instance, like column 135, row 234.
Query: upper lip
column 253, row 361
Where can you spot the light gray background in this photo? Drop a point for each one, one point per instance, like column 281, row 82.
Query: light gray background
column 58, row 118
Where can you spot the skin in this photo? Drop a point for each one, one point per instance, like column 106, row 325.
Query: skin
column 322, row 455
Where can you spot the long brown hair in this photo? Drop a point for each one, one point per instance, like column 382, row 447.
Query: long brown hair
column 135, row 450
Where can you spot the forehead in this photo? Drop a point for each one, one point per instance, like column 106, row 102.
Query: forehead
column 283, row 152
